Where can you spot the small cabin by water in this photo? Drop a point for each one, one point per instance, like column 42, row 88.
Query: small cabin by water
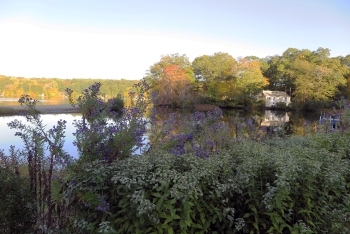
column 273, row 97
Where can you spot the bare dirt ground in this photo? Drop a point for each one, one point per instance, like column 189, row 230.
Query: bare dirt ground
column 50, row 109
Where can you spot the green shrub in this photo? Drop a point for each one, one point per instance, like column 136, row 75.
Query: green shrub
column 293, row 106
column 247, row 102
column 260, row 104
column 316, row 105
column 291, row 185
column 17, row 204
column 207, row 100
column 187, row 103
column 281, row 106
column 115, row 104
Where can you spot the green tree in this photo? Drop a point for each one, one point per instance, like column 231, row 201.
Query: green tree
column 223, row 77
column 297, row 69
column 345, row 62
column 248, row 76
column 315, row 82
column 276, row 74
column 210, row 71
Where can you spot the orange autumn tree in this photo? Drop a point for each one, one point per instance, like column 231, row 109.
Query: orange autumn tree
column 172, row 78
column 174, row 87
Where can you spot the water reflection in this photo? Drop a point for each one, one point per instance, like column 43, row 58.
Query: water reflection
column 293, row 123
column 274, row 118
column 13, row 101
column 8, row 138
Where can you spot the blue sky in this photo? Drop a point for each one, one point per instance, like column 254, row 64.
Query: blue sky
column 122, row 39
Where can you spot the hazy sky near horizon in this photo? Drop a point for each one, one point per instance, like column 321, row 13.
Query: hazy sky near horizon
column 114, row 39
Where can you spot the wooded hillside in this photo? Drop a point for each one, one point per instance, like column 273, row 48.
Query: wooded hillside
column 11, row 86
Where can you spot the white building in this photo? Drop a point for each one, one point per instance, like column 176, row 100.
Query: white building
column 272, row 97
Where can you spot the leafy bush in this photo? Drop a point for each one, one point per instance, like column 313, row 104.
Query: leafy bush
column 17, row 204
column 115, row 104
column 293, row 106
column 292, row 185
column 107, row 136
column 91, row 105
column 99, row 136
column 281, row 106
column 247, row 102
column 186, row 103
column 260, row 104
column 316, row 105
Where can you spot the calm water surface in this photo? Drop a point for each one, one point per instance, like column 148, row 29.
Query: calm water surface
column 294, row 122
column 8, row 138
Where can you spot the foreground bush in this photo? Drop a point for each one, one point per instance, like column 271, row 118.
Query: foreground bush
column 103, row 133
column 100, row 134
column 17, row 204
column 291, row 185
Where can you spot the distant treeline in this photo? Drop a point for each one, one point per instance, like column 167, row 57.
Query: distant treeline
column 11, row 86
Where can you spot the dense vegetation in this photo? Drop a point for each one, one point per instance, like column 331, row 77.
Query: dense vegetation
column 200, row 175
column 311, row 78
column 226, row 81
column 55, row 88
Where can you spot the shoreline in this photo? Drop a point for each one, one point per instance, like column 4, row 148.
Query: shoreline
column 43, row 109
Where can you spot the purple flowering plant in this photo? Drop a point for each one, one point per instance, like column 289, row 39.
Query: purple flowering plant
column 103, row 134
column 204, row 133
column 200, row 133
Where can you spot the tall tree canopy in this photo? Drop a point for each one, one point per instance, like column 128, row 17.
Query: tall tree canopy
column 345, row 62
column 305, row 74
column 314, row 82
column 248, row 76
column 213, row 68
column 172, row 77
column 220, row 75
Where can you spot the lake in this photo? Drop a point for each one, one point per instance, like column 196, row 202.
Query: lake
column 7, row 135
column 294, row 121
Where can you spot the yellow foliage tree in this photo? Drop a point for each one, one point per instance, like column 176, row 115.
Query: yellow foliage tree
column 248, row 76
